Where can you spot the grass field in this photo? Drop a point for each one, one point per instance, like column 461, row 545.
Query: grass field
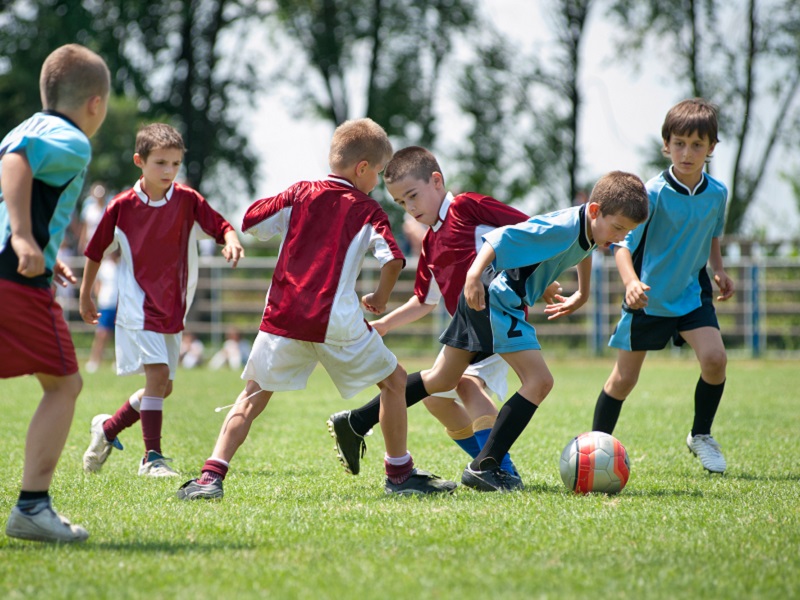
column 294, row 525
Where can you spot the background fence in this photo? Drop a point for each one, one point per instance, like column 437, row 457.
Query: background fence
column 763, row 316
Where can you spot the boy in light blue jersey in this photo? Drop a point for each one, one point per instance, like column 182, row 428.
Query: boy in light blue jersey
column 668, row 293
column 513, row 268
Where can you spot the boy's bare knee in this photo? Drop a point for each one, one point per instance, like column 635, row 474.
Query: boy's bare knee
column 716, row 361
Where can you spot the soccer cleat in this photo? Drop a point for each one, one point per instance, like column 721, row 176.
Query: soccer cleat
column 45, row 525
column 99, row 447
column 421, row 483
column 491, row 478
column 350, row 446
column 155, row 465
column 194, row 490
column 708, row 451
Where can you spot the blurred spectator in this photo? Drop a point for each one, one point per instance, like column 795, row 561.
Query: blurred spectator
column 106, row 290
column 192, row 351
column 91, row 212
column 234, row 351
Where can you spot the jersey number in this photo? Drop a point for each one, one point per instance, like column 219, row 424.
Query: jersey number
column 513, row 332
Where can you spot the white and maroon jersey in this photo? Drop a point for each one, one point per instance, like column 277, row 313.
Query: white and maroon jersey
column 326, row 228
column 158, row 247
column 450, row 246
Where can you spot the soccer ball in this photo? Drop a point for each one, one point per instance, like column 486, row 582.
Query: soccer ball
column 595, row 462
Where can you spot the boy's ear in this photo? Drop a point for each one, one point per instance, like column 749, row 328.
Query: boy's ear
column 711, row 148
column 361, row 167
column 593, row 208
column 137, row 160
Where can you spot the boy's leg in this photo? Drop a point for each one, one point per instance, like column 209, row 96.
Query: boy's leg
column 250, row 403
column 484, row 472
column 710, row 350
column 157, row 387
column 456, row 421
column 617, row 388
column 105, row 430
column 33, row 518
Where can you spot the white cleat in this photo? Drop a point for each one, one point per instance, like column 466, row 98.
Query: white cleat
column 99, row 448
column 155, row 465
column 708, row 451
column 44, row 526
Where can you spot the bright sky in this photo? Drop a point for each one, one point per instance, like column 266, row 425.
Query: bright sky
column 622, row 112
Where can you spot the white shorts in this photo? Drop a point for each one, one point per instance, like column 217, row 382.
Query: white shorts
column 136, row 348
column 279, row 364
column 493, row 371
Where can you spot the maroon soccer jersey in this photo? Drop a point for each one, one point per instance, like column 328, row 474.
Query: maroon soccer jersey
column 450, row 246
column 158, row 253
column 327, row 227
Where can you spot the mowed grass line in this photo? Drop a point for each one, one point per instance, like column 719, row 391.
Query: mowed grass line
column 294, row 525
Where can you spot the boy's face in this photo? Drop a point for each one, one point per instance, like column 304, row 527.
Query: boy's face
column 159, row 170
column 366, row 177
column 688, row 155
column 419, row 198
column 97, row 109
column 608, row 229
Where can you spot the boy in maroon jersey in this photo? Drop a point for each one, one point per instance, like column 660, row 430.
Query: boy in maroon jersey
column 154, row 226
column 414, row 179
column 312, row 312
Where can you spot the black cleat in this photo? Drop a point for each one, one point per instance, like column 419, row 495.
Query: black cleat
column 350, row 446
column 420, row 483
column 491, row 478
column 194, row 490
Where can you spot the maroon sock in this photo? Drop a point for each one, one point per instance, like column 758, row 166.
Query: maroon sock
column 122, row 419
column 151, row 429
column 213, row 470
column 398, row 474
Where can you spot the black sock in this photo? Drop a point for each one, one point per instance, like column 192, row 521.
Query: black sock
column 606, row 413
column 706, row 403
column 511, row 422
column 28, row 501
column 365, row 418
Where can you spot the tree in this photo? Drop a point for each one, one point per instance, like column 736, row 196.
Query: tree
column 754, row 75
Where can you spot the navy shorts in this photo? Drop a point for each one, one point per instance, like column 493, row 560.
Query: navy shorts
column 638, row 331
column 107, row 318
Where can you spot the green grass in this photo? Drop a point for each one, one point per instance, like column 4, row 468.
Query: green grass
column 294, row 525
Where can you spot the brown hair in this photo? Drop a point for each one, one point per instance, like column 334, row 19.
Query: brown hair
column 621, row 193
column 694, row 115
column 357, row 140
column 413, row 161
column 157, row 136
column 71, row 75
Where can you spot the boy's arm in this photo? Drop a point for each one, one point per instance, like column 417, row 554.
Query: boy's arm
column 88, row 309
column 725, row 283
column 233, row 250
column 635, row 290
column 376, row 301
column 566, row 306
column 474, row 292
column 17, row 182
column 411, row 311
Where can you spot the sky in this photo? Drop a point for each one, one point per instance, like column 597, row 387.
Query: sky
column 623, row 110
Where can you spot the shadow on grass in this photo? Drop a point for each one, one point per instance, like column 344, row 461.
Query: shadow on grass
column 793, row 477
column 162, row 547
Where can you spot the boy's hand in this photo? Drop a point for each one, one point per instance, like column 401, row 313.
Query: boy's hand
column 373, row 304
column 475, row 293
column 725, row 284
column 564, row 306
column 31, row 259
column 62, row 274
column 88, row 310
column 233, row 250
column 635, row 296
column 550, row 295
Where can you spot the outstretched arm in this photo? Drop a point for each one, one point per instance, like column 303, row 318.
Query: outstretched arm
column 411, row 311
column 474, row 292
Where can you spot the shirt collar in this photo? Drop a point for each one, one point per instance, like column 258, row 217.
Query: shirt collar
column 669, row 175
column 340, row 179
column 448, row 200
column 137, row 187
column 585, row 238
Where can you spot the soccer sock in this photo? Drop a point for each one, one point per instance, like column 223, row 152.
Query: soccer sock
column 365, row 418
column 606, row 413
column 465, row 438
column 126, row 416
column 29, row 502
column 483, row 427
column 511, row 422
column 152, row 417
column 213, row 469
column 398, row 469
column 706, row 402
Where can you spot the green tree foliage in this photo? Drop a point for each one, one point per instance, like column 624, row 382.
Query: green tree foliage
column 741, row 55
column 178, row 61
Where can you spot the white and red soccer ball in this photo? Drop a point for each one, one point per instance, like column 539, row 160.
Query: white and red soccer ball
column 595, row 462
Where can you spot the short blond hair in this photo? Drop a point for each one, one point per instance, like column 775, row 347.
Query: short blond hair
column 357, row 140
column 70, row 76
column 621, row 193
column 157, row 136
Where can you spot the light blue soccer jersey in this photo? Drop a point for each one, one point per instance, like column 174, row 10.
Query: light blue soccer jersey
column 58, row 153
column 670, row 249
column 531, row 256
